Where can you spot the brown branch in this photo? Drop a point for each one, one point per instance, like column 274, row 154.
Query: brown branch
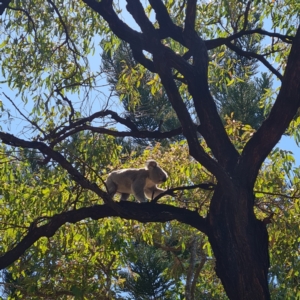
column 66, row 99
column 277, row 194
column 164, row 60
column 30, row 19
column 139, row 56
column 139, row 134
column 121, row 29
column 188, row 128
column 11, row 140
column 195, row 76
column 203, row 260
column 211, row 44
column 143, row 212
column 190, row 17
column 268, row 220
column 283, row 111
column 192, row 263
column 64, row 25
column 209, row 186
column 58, row 132
column 246, row 15
column 137, row 11
column 167, row 27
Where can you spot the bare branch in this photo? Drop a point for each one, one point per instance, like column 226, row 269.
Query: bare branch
column 121, row 29
column 100, row 114
column 34, row 124
column 212, row 44
column 142, row 59
column 246, row 15
column 277, row 194
column 72, row 113
column 138, row 134
column 283, row 111
column 59, row 158
column 209, row 186
column 65, row 27
column 27, row 14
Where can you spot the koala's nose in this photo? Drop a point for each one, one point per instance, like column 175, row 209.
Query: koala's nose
column 164, row 178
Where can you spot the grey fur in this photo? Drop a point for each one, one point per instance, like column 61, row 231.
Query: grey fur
column 139, row 182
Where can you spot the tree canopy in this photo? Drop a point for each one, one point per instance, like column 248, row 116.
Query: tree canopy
column 206, row 88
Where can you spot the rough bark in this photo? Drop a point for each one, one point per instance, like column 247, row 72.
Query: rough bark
column 240, row 245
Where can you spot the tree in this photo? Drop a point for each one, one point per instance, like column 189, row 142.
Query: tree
column 147, row 110
column 44, row 56
column 145, row 277
column 243, row 100
column 240, row 92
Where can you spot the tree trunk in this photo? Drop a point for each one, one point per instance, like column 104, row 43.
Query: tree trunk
column 191, row 269
column 240, row 244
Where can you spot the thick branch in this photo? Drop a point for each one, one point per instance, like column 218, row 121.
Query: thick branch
column 165, row 58
column 212, row 128
column 188, row 128
column 167, row 27
column 190, row 16
column 139, row 56
column 283, row 111
column 120, row 29
column 138, row 13
column 11, row 140
column 143, row 212
column 209, row 186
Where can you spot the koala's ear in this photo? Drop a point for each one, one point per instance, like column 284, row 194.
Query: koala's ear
column 151, row 164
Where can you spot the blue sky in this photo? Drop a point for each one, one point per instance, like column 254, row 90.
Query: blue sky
column 286, row 143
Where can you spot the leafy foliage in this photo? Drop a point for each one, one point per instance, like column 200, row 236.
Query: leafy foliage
column 145, row 102
column 144, row 278
column 77, row 80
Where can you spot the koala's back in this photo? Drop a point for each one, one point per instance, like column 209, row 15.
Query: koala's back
column 125, row 178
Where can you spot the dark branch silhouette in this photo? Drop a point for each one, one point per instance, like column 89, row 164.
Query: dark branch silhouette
column 3, row 5
column 143, row 212
column 209, row 186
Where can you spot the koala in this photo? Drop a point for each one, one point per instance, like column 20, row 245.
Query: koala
column 139, row 182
